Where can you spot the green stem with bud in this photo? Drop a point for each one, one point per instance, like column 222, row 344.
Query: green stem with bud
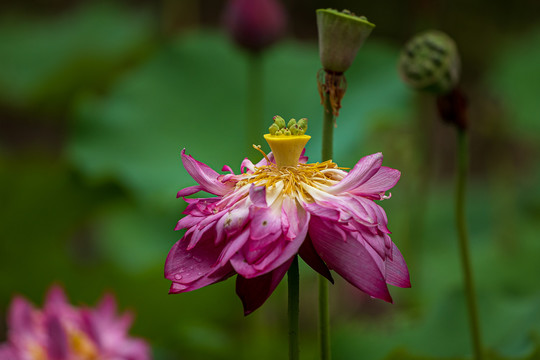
column 293, row 285
column 463, row 163
column 327, row 154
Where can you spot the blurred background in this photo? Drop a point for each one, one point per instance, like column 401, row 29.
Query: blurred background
column 97, row 98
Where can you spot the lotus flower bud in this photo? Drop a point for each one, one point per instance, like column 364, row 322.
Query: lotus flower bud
column 341, row 34
column 255, row 24
column 430, row 62
column 279, row 121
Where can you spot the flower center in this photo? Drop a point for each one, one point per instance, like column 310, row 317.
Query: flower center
column 82, row 346
column 294, row 179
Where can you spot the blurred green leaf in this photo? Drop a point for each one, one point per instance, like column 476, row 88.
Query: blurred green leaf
column 135, row 239
column 46, row 61
column 513, row 75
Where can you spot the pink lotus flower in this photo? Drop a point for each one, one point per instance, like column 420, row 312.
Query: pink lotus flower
column 263, row 217
column 63, row 332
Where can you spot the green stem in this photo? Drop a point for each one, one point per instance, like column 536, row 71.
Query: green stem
column 255, row 111
column 293, row 285
column 328, row 130
column 324, row 319
column 463, row 157
column 324, row 316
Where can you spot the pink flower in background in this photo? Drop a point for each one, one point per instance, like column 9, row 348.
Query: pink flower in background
column 63, row 332
column 261, row 218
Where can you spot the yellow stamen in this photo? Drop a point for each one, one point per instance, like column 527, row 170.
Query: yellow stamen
column 82, row 346
column 293, row 178
column 258, row 147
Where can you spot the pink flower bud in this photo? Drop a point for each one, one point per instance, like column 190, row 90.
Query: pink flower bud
column 255, row 24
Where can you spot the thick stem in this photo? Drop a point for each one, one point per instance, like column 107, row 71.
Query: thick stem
column 293, row 285
column 327, row 154
column 328, row 130
column 254, row 124
column 463, row 157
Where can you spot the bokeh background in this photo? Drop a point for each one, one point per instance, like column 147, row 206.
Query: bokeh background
column 97, row 98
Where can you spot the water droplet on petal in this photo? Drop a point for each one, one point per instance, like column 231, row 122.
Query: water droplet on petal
column 178, row 277
column 199, row 260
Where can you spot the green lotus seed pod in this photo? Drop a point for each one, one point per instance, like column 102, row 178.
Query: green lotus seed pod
column 341, row 34
column 273, row 128
column 279, row 132
column 430, row 62
column 302, row 124
column 279, row 121
column 291, row 123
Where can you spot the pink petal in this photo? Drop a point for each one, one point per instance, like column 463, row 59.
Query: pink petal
column 236, row 219
column 7, row 352
column 107, row 307
column 376, row 242
column 56, row 297
column 188, row 266
column 187, row 222
column 281, row 250
column 263, row 161
column 362, row 172
column 264, row 221
column 385, row 179
column 219, row 274
column 349, row 258
column 289, row 218
column 190, row 190
column 227, row 168
column 329, row 213
column 254, row 292
column 289, row 246
column 56, row 302
column 257, row 195
column 21, row 318
column 303, row 159
column 247, row 164
column 309, row 255
column 204, row 175
column 232, row 247
column 57, row 342
column 360, row 208
column 397, row 273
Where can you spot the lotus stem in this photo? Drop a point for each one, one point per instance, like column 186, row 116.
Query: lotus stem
column 327, row 154
column 463, row 163
column 293, row 285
